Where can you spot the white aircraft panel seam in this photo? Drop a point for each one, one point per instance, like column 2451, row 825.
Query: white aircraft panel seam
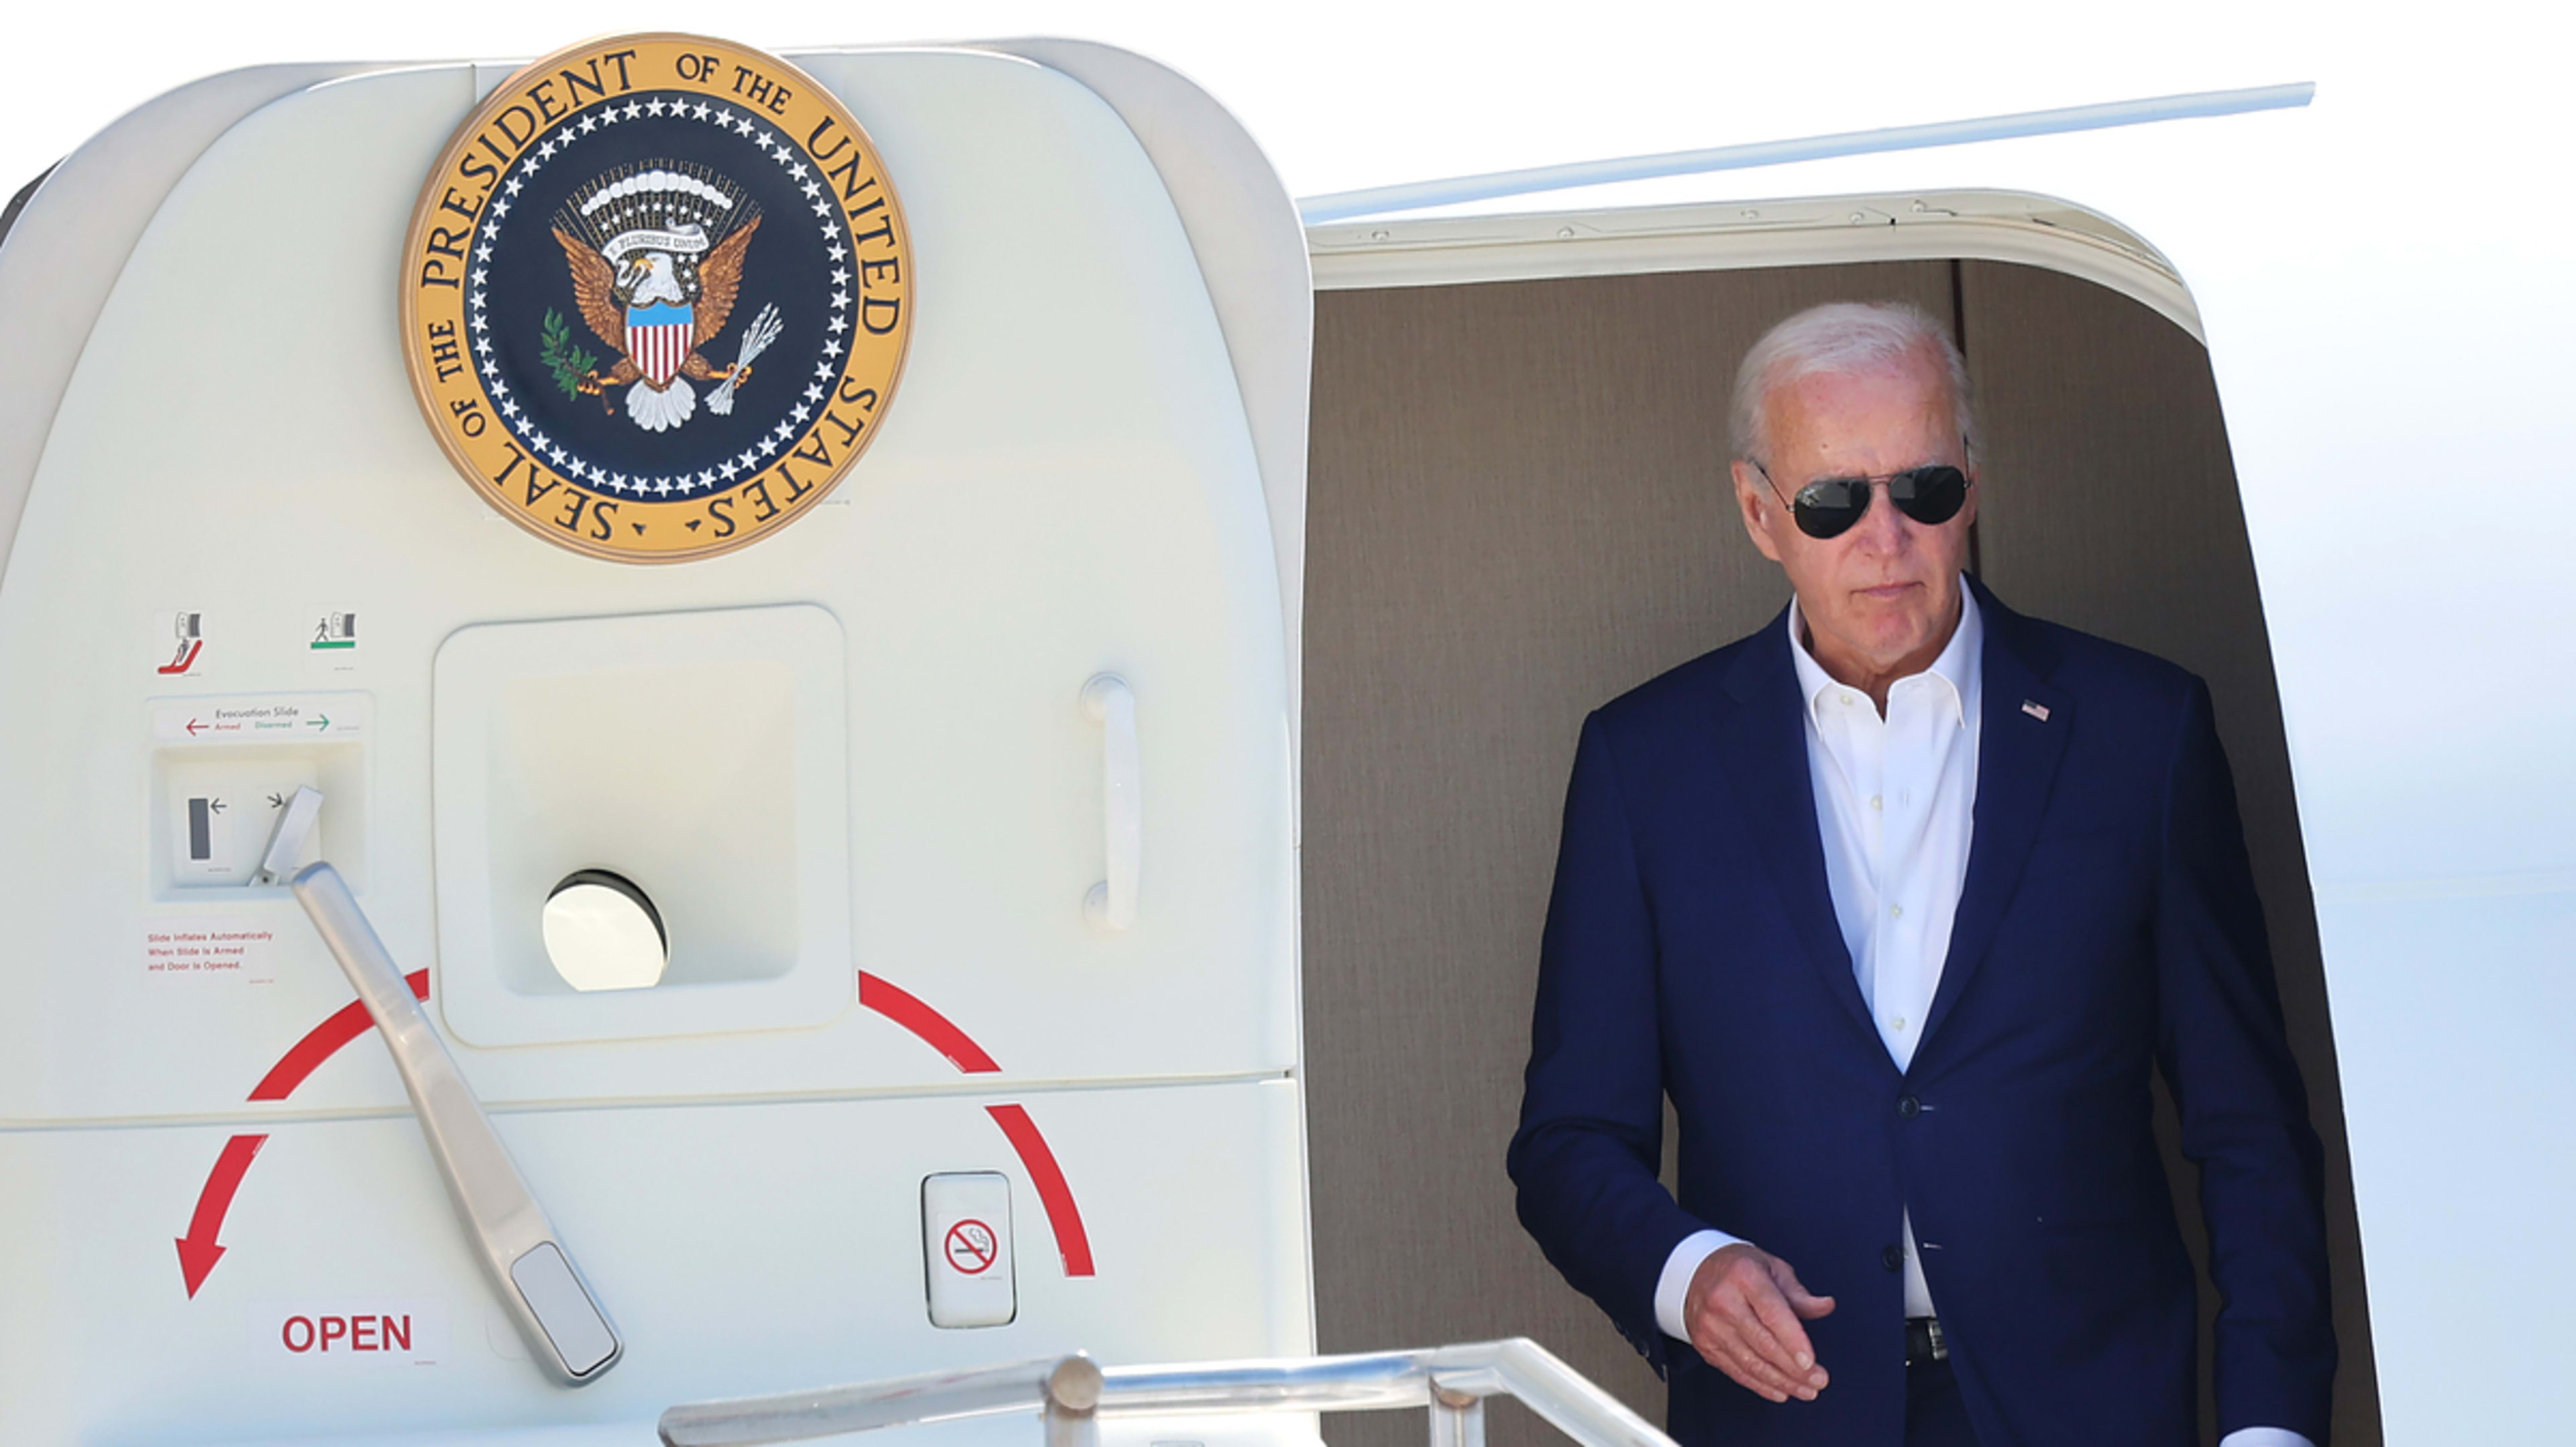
column 972, row 1087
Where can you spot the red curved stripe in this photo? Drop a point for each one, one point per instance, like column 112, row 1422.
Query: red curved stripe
column 198, row 1252
column 935, row 1029
column 325, row 1040
column 1071, row 1241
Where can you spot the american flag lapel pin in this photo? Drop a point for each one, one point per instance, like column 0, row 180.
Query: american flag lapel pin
column 2035, row 709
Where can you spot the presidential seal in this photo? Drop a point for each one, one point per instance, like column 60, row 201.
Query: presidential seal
column 655, row 297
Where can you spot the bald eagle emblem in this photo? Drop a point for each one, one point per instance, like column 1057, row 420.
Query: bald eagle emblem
column 656, row 253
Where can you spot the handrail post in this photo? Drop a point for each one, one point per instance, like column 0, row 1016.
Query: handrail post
column 1457, row 1419
column 1073, row 1403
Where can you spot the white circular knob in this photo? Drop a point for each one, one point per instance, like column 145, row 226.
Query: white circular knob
column 602, row 933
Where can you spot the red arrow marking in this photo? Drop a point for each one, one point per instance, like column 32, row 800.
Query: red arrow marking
column 1071, row 1241
column 193, row 726
column 198, row 1252
column 324, row 1041
column 940, row 1033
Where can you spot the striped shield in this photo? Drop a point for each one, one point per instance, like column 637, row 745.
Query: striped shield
column 657, row 337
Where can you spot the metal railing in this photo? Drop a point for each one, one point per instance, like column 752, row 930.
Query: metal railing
column 1072, row 1394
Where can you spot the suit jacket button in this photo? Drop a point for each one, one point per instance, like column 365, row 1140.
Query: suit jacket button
column 1909, row 1107
column 1893, row 1258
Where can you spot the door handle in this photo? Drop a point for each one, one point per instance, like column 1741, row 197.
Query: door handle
column 530, row 1269
column 1109, row 702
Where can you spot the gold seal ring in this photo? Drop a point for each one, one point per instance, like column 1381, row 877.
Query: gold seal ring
column 656, row 296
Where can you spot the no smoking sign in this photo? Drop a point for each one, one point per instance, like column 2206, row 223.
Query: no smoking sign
column 972, row 1247
column 966, row 1249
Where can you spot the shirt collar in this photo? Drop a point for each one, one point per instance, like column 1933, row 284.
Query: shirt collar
column 1958, row 665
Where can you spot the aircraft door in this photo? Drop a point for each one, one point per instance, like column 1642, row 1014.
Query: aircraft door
column 892, row 1090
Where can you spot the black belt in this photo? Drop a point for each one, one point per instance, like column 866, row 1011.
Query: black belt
column 1924, row 1343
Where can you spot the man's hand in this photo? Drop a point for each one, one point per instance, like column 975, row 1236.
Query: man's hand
column 1744, row 1313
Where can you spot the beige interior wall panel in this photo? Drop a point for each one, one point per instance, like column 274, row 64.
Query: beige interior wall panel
column 2111, row 505
column 1518, row 510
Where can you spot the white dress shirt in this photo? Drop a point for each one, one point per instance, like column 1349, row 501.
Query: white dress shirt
column 1896, row 799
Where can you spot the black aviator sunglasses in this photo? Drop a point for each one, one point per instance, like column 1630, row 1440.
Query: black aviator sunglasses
column 1831, row 506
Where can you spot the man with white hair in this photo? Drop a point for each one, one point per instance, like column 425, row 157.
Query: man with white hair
column 1899, row 901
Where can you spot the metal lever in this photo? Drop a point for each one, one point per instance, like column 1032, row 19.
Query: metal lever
column 535, row 1276
column 294, row 825
column 1107, row 701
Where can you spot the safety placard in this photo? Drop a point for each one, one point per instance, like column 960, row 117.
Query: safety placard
column 966, row 1248
column 242, row 951
column 331, row 638
column 179, row 643
column 972, row 1247
column 259, row 718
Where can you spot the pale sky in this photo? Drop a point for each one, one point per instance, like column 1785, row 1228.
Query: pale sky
column 1342, row 93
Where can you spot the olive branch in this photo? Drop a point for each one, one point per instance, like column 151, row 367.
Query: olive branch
column 555, row 348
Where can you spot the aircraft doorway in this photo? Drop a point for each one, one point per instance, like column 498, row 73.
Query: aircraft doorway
column 1518, row 510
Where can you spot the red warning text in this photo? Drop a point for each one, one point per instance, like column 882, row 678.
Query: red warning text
column 391, row 1332
column 202, row 950
column 347, row 1333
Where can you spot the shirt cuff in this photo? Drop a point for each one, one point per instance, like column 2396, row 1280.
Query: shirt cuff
column 2264, row 1437
column 1672, row 1292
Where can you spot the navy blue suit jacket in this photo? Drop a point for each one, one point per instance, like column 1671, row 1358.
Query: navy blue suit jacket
column 2108, row 924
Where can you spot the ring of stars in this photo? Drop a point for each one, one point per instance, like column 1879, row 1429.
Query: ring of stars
column 770, row 445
